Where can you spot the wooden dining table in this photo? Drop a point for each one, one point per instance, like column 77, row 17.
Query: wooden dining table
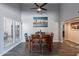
column 41, row 37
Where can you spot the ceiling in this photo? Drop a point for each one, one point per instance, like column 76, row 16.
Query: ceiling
column 50, row 6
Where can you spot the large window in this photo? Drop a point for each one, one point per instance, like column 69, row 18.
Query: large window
column 8, row 31
column 17, row 31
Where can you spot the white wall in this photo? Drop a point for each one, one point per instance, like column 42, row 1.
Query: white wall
column 7, row 10
column 75, row 36
column 53, row 17
column 68, row 11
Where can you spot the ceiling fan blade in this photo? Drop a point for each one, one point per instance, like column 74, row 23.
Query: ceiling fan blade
column 44, row 9
column 43, row 4
column 36, row 4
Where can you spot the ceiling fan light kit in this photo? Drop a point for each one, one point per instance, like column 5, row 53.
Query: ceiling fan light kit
column 39, row 8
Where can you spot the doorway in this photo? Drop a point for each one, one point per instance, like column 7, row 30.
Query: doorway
column 71, row 29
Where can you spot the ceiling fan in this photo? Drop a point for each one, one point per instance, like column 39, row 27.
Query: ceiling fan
column 39, row 8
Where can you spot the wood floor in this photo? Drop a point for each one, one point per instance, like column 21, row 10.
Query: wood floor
column 69, row 48
column 59, row 49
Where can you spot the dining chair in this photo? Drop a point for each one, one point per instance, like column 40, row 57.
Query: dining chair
column 35, row 43
column 47, row 42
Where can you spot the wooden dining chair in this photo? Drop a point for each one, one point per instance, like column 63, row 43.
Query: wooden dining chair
column 35, row 43
column 47, row 42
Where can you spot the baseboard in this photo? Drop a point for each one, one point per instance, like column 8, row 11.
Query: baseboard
column 56, row 41
column 10, row 48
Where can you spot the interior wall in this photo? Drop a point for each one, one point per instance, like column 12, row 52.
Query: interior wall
column 71, row 34
column 67, row 11
column 12, row 11
column 53, row 20
column 75, row 35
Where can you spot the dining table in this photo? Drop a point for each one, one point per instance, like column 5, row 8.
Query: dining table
column 41, row 38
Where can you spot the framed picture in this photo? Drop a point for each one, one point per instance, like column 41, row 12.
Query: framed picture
column 40, row 21
column 75, row 25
